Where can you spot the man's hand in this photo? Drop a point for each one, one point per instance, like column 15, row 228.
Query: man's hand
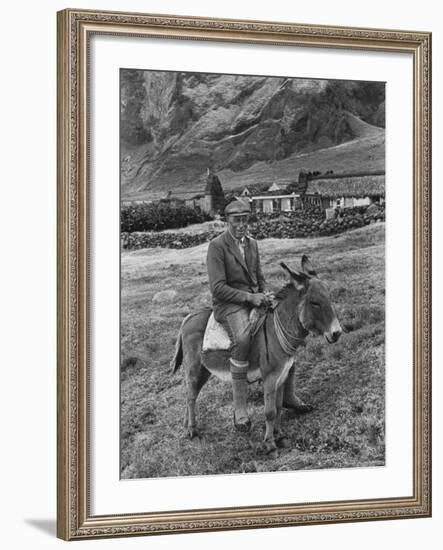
column 269, row 297
column 257, row 299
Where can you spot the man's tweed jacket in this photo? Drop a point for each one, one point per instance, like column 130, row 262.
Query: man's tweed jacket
column 231, row 278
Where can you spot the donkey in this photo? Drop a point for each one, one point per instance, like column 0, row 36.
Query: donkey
column 301, row 307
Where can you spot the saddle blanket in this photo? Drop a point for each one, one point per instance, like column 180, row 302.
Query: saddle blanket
column 216, row 338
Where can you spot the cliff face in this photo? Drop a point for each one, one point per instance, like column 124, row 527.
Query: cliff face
column 175, row 125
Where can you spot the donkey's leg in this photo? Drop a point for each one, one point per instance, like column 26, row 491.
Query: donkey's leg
column 192, row 331
column 270, row 414
column 196, row 379
column 279, row 403
column 280, row 437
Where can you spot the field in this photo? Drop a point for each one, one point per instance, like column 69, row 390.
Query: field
column 345, row 382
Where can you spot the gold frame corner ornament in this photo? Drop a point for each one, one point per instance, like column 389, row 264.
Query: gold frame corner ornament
column 75, row 28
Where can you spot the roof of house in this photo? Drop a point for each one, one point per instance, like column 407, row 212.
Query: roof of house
column 342, row 175
column 353, row 186
column 270, row 196
column 256, row 189
column 285, row 187
column 275, row 187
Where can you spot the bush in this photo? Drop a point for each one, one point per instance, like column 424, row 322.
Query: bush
column 158, row 216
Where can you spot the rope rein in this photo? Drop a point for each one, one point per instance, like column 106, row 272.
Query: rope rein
column 288, row 342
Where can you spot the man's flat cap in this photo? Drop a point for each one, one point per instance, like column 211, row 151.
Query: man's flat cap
column 238, row 206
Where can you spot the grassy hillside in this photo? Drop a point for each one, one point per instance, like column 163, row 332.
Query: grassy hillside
column 344, row 381
column 362, row 154
column 359, row 155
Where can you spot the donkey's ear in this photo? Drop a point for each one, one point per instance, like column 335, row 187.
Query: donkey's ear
column 297, row 277
column 307, row 266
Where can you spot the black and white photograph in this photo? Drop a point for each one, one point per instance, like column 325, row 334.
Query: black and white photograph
column 218, row 257
column 252, row 306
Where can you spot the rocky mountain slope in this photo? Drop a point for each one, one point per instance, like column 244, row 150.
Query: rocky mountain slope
column 175, row 125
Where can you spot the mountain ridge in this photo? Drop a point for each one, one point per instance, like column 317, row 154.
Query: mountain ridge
column 175, row 125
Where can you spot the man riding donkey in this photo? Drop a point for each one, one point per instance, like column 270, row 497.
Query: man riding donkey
column 237, row 285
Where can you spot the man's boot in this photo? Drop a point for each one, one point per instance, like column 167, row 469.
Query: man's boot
column 290, row 399
column 239, row 371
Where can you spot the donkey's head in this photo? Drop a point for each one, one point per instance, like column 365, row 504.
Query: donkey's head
column 315, row 310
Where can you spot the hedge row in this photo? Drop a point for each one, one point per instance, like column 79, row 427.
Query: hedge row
column 158, row 216
column 291, row 225
column 142, row 239
column 312, row 223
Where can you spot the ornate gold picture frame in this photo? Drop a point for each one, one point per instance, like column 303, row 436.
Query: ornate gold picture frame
column 76, row 518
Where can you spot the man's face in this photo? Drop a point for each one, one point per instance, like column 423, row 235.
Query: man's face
column 238, row 224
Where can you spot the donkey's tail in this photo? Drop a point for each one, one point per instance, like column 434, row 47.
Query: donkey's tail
column 177, row 359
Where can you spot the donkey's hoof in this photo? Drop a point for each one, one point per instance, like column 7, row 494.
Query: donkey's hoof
column 283, row 442
column 243, row 425
column 298, row 407
column 271, row 449
column 193, row 433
